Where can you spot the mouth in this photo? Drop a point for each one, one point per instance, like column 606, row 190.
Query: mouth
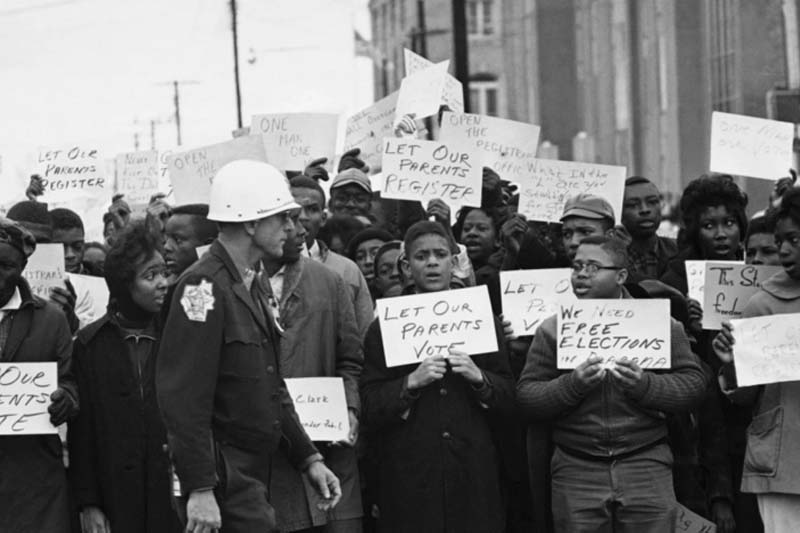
column 722, row 249
column 647, row 224
column 788, row 265
column 580, row 290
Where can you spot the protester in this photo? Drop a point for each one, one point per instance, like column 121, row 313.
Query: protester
column 94, row 256
column 585, row 215
column 33, row 484
column 362, row 249
column 34, row 217
column 759, row 244
column 119, row 466
column 186, row 229
column 438, row 466
column 387, row 270
column 225, row 407
column 351, row 194
column 338, row 230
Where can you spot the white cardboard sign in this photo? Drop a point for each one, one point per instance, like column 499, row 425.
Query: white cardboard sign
column 696, row 277
column 70, row 172
column 530, row 296
column 728, row 288
column 25, row 390
column 546, row 184
column 751, row 146
column 137, row 176
column 419, row 326
column 421, row 92
column 45, row 269
column 453, row 91
column 766, row 349
column 367, row 128
column 292, row 140
column 321, row 406
column 613, row 329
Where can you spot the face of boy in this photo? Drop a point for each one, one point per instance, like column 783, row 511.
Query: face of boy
column 605, row 282
column 430, row 263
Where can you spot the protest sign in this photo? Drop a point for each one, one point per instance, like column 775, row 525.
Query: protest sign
column 191, row 172
column 691, row 522
column 419, row 326
column 367, row 128
column 137, row 176
column 751, row 146
column 453, row 91
column 696, row 277
column 424, row 170
column 45, row 269
column 545, row 184
column 765, row 349
column 613, row 329
column 25, row 390
column 530, row 296
column 72, row 172
column 499, row 144
column 321, row 406
column 421, row 92
column 728, row 288
column 292, row 140
column 95, row 291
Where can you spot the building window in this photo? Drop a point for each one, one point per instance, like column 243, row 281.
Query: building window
column 481, row 17
column 483, row 98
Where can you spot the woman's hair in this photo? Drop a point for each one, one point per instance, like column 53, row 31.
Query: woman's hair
column 711, row 191
column 366, row 235
column 788, row 208
column 133, row 245
column 421, row 228
column 458, row 227
column 762, row 224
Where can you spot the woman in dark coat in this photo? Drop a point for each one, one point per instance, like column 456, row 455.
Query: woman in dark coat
column 438, row 462
column 119, row 465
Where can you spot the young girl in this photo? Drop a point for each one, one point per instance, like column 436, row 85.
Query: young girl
column 772, row 458
column 438, row 463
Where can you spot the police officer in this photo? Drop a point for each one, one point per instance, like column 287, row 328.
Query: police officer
column 224, row 403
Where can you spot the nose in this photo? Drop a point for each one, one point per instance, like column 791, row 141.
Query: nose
column 69, row 252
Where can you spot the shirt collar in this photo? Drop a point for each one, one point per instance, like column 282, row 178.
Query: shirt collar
column 315, row 252
column 246, row 271
column 13, row 303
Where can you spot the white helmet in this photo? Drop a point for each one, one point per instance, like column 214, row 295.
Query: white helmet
column 246, row 190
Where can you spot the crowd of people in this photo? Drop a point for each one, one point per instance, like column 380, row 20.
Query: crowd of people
column 178, row 417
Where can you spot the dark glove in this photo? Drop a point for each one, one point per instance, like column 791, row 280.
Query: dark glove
column 316, row 169
column 62, row 407
column 352, row 159
column 35, row 187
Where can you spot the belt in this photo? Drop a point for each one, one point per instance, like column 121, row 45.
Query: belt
column 611, row 458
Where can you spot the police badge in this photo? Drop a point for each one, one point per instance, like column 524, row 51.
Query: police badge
column 198, row 300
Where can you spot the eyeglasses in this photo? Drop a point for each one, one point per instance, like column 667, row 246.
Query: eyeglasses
column 591, row 268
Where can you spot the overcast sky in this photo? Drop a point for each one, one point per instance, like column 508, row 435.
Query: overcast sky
column 98, row 70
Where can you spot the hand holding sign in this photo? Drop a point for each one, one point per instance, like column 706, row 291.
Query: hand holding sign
column 766, row 349
column 430, row 370
column 728, row 288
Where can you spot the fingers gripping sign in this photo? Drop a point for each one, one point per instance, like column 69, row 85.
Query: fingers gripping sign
column 430, row 370
column 462, row 365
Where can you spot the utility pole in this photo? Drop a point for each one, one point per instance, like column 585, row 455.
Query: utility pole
column 461, row 47
column 176, row 102
column 422, row 31
column 234, row 27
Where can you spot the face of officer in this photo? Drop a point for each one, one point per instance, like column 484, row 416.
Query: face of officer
column 270, row 233
column 12, row 261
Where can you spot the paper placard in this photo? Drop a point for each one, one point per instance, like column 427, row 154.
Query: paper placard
column 45, row 269
column 423, row 170
column 453, row 91
column 191, row 172
column 367, row 128
column 691, row 522
column 696, row 277
column 25, row 390
column 530, row 296
column 321, row 406
column 500, row 144
column 419, row 326
column 137, row 176
column 546, row 184
column 612, row 329
column 72, row 172
column 97, row 290
column 728, row 288
column 421, row 92
column 292, row 140
column 751, row 146
column 765, row 349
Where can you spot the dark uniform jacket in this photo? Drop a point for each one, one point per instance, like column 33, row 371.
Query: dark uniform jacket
column 217, row 374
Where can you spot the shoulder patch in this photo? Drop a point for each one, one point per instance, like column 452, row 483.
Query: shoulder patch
column 198, row 300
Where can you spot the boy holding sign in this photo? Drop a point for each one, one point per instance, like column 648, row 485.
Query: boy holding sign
column 612, row 466
column 438, row 466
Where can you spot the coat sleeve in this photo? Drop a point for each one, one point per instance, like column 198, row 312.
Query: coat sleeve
column 186, row 374
column 349, row 350
column 63, row 355
column 82, row 439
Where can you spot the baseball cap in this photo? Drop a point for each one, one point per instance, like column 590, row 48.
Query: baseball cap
column 352, row 175
column 16, row 236
column 588, row 205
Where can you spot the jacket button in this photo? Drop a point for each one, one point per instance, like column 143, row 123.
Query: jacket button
column 442, row 392
column 270, row 369
column 446, row 435
column 276, row 424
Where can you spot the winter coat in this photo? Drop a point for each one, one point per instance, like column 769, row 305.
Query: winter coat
column 320, row 338
column 438, row 463
column 119, row 460
column 356, row 283
column 33, row 482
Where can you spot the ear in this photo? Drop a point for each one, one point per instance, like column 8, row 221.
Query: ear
column 250, row 227
column 405, row 267
column 324, row 215
column 622, row 276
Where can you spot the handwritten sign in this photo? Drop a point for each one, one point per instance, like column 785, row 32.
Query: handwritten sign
column 636, row 329
column 137, row 176
column 292, row 140
column 25, row 390
column 453, row 90
column 71, row 172
column 751, row 146
column 728, row 288
column 95, row 291
column 421, row 92
column 367, row 128
column 499, row 144
column 530, row 296
column 45, row 269
column 321, row 406
column 191, row 172
column 424, row 170
column 696, row 277
column 765, row 349
column 419, row 326
column 691, row 522
column 545, row 185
